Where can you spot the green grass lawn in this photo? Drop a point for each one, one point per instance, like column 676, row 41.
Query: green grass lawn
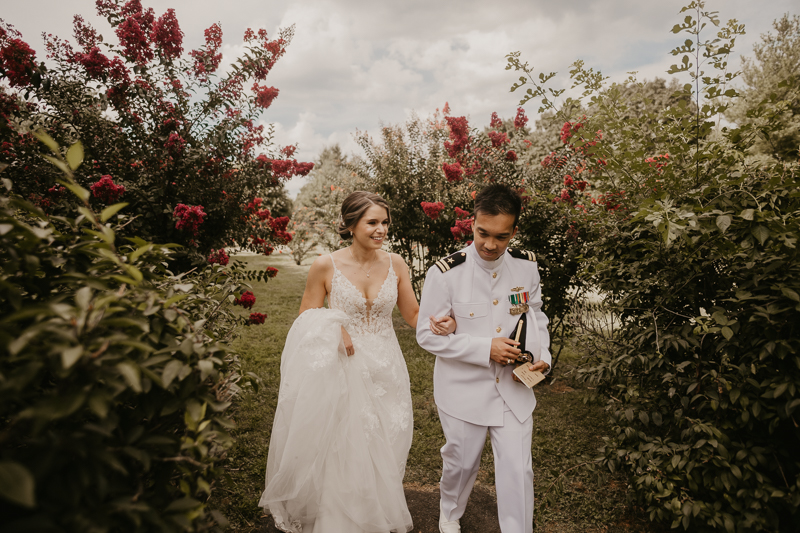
column 567, row 431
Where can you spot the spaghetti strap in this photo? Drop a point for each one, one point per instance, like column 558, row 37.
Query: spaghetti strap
column 333, row 262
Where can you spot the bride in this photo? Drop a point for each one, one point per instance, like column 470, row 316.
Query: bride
column 343, row 425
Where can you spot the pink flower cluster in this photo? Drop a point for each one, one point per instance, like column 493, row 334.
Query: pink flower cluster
column 264, row 95
column 16, row 59
column 218, row 257
column 175, row 144
column 498, row 138
column 106, row 190
column 568, row 130
column 495, row 121
column 207, row 61
column 272, row 272
column 168, row 36
column 463, row 225
column 520, row 120
column 570, row 190
column 284, row 168
column 453, row 172
column 432, row 209
column 658, row 162
column 189, row 217
column 459, row 136
column 256, row 319
column 246, row 300
column 134, row 32
column 554, row 161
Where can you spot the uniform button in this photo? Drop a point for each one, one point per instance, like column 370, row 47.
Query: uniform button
column 497, row 380
column 498, row 329
column 494, row 274
column 472, row 314
column 494, row 302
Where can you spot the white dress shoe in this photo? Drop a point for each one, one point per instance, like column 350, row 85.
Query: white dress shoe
column 447, row 526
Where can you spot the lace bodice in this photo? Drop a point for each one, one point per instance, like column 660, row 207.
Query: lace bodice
column 365, row 317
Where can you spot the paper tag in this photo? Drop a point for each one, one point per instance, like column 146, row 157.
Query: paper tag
column 528, row 377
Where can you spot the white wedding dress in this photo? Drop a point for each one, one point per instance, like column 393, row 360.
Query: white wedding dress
column 343, row 425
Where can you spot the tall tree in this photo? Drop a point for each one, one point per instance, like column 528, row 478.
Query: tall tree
column 772, row 78
column 321, row 197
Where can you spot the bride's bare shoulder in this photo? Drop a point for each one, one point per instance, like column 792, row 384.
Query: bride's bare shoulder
column 322, row 266
column 398, row 262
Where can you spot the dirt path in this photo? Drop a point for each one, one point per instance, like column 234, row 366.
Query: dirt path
column 423, row 503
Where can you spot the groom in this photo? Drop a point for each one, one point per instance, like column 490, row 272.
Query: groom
column 487, row 287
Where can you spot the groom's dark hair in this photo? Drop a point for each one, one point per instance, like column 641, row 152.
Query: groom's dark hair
column 498, row 199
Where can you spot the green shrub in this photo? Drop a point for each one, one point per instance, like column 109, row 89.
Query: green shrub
column 693, row 250
column 115, row 377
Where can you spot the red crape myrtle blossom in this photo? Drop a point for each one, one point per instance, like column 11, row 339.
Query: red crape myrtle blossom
column 175, row 144
column 511, row 155
column 106, row 190
column 218, row 257
column 264, row 95
column 207, row 61
column 463, row 225
column 495, row 122
column 432, row 209
column 167, row 35
column 453, row 172
column 498, row 138
column 278, row 226
column 520, row 120
column 256, row 319
column 246, row 300
column 658, row 162
column 189, row 217
column 272, row 272
column 459, row 136
column 134, row 32
column 16, row 59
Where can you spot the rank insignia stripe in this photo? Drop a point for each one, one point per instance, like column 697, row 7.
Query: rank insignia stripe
column 521, row 254
column 453, row 260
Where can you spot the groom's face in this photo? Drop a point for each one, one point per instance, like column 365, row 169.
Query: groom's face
column 492, row 234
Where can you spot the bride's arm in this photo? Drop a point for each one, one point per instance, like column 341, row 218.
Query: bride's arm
column 314, row 295
column 408, row 305
column 316, row 289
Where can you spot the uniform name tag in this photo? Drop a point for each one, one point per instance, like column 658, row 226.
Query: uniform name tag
column 527, row 376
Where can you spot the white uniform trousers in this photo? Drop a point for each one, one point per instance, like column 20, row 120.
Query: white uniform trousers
column 513, row 469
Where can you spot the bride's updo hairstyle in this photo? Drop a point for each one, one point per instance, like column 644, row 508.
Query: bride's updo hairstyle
column 354, row 207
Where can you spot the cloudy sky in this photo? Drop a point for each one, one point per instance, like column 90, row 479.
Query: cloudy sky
column 356, row 64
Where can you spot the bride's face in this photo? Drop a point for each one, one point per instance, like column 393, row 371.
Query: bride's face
column 372, row 228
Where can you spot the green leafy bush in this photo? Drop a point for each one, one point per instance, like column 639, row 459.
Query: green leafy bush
column 696, row 262
column 115, row 375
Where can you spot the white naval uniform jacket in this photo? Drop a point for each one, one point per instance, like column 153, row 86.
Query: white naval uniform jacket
column 467, row 384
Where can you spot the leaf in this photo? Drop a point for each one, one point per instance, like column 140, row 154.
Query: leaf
column 17, row 484
column 75, row 155
column 747, row 214
column 727, row 333
column 789, row 293
column 723, row 222
column 111, row 210
column 171, row 371
column 70, row 356
column 58, row 163
column 46, row 139
column 77, row 190
column 130, row 373
column 761, row 233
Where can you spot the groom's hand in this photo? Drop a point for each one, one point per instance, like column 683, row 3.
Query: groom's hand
column 504, row 351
